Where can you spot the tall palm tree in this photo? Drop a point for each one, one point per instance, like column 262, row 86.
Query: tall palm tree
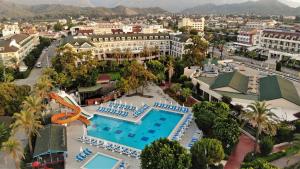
column 221, row 48
column 261, row 117
column 43, row 86
column 170, row 68
column 29, row 122
column 33, row 104
column 117, row 54
column 128, row 54
column 13, row 148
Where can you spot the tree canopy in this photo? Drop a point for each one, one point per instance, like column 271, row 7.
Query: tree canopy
column 134, row 76
column 78, row 68
column 165, row 154
column 207, row 112
column 227, row 131
column 11, row 97
column 206, row 152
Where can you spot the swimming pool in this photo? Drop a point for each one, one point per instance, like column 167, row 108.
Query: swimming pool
column 156, row 124
column 101, row 161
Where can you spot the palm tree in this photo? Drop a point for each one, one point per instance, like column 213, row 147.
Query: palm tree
column 13, row 148
column 43, row 86
column 29, row 122
column 33, row 104
column 261, row 117
column 128, row 54
column 117, row 54
column 170, row 68
column 221, row 48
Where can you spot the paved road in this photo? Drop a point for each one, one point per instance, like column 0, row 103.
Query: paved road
column 45, row 59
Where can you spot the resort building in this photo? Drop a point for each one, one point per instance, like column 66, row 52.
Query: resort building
column 17, row 47
column 246, row 87
column 280, row 43
column 51, row 145
column 178, row 43
column 248, row 37
column 105, row 47
column 192, row 24
column 10, row 29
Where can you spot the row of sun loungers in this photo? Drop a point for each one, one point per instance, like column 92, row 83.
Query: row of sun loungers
column 83, row 155
column 196, row 137
column 180, row 109
column 110, row 146
column 141, row 110
column 113, row 111
column 179, row 133
column 122, row 106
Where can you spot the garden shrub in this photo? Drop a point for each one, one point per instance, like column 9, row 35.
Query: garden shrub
column 266, row 145
column 284, row 134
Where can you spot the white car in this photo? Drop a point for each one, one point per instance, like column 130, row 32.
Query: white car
column 38, row 65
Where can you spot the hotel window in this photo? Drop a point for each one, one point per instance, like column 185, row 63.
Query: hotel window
column 111, row 39
column 118, row 38
column 151, row 37
column 156, row 37
column 123, row 38
column 134, row 38
column 128, row 38
column 106, row 39
column 145, row 37
column 140, row 38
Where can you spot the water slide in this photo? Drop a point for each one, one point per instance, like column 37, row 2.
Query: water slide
column 65, row 117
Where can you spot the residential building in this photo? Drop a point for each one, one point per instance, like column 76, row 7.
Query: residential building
column 10, row 29
column 280, row 43
column 192, row 24
column 17, row 47
column 178, row 43
column 248, row 37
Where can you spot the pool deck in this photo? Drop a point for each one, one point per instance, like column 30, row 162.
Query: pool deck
column 75, row 129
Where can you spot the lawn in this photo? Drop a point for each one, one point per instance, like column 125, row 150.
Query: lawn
column 115, row 75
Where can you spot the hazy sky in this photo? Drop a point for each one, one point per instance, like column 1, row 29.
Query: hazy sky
column 171, row 5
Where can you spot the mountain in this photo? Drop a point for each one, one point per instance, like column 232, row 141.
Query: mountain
column 11, row 10
column 81, row 3
column 170, row 5
column 261, row 7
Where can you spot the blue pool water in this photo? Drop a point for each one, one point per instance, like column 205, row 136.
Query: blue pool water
column 156, row 124
column 101, row 162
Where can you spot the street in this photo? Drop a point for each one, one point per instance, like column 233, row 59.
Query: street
column 45, row 59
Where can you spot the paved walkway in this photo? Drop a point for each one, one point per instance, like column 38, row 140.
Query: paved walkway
column 245, row 145
column 286, row 161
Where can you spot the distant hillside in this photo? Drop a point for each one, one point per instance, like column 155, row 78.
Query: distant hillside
column 11, row 10
column 261, row 7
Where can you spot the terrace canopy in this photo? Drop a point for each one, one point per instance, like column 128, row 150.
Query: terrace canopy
column 52, row 139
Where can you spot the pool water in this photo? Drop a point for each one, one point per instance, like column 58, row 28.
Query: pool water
column 101, row 162
column 156, row 124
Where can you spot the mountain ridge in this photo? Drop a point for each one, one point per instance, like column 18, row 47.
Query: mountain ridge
column 12, row 10
column 261, row 7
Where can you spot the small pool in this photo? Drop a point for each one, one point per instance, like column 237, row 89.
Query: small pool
column 101, row 161
column 156, row 124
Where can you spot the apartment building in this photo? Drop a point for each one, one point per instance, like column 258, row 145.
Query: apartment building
column 104, row 47
column 248, row 37
column 10, row 29
column 279, row 43
column 178, row 43
column 17, row 47
column 197, row 24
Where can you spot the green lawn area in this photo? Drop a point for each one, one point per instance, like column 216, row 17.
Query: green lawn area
column 114, row 75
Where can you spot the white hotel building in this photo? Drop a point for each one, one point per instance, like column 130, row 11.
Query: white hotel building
column 104, row 46
column 277, row 44
column 17, row 47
